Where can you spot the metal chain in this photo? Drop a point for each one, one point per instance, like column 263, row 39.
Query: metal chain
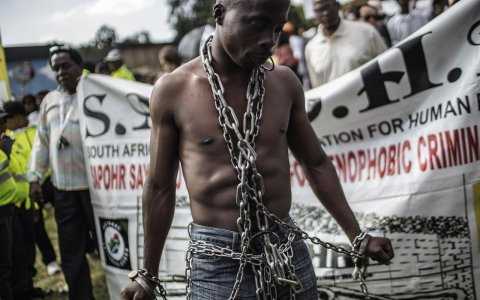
column 273, row 266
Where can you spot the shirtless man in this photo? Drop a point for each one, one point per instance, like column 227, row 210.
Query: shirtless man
column 186, row 129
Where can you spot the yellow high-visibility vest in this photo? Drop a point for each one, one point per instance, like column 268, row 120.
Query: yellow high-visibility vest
column 19, row 157
column 124, row 73
column 8, row 187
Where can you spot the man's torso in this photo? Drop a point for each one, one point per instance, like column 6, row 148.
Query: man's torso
column 348, row 48
column 60, row 113
column 209, row 174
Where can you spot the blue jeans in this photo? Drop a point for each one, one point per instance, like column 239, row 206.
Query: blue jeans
column 213, row 277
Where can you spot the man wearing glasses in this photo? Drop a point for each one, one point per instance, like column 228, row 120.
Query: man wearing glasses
column 58, row 147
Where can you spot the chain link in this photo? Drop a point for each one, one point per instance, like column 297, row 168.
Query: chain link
column 273, row 265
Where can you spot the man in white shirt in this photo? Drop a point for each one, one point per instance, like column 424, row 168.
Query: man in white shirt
column 58, row 146
column 407, row 21
column 339, row 45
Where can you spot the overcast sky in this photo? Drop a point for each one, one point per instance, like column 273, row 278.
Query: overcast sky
column 75, row 21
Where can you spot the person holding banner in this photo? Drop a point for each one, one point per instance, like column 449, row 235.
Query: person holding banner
column 241, row 231
column 58, row 146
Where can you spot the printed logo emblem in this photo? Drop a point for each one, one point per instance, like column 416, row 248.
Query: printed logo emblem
column 115, row 243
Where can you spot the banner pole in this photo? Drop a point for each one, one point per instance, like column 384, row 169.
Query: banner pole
column 5, row 92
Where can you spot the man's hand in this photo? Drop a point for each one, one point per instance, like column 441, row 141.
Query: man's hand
column 379, row 249
column 134, row 291
column 36, row 192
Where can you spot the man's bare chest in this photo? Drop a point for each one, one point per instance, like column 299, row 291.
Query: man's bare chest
column 199, row 123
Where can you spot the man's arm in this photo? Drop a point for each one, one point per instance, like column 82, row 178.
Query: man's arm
column 159, row 190
column 322, row 176
column 317, row 166
column 377, row 44
column 39, row 157
column 308, row 62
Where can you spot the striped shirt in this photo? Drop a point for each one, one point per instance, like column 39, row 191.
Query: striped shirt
column 58, row 117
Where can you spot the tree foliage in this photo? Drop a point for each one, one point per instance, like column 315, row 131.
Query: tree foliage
column 140, row 37
column 297, row 17
column 105, row 37
column 186, row 15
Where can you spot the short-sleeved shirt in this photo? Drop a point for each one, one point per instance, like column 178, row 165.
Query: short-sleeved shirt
column 403, row 25
column 350, row 46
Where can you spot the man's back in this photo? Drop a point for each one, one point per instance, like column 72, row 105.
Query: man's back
column 202, row 151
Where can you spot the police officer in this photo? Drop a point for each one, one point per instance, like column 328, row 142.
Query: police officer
column 25, row 209
column 7, row 198
column 116, row 66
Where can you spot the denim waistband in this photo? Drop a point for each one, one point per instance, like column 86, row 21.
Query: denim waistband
column 225, row 237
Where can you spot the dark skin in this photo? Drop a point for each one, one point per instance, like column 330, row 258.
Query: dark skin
column 326, row 14
column 16, row 121
column 3, row 126
column 30, row 104
column 114, row 65
column 404, row 6
column 185, row 130
column 67, row 73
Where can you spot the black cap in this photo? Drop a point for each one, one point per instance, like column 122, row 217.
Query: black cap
column 74, row 54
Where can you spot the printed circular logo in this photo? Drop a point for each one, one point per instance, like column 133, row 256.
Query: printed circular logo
column 115, row 242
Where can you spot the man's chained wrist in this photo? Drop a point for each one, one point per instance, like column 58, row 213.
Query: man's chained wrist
column 360, row 243
column 150, row 283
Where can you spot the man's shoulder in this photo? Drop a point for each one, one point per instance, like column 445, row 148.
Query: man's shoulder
column 282, row 73
column 357, row 26
column 395, row 19
column 180, row 77
column 50, row 99
column 170, row 87
column 317, row 38
column 284, row 77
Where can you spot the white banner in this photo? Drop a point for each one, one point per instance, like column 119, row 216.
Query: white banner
column 403, row 133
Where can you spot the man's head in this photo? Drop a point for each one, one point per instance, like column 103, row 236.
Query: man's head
column 67, row 65
column 326, row 13
column 30, row 103
column 114, row 60
column 368, row 14
column 404, row 5
column 249, row 29
column 169, row 58
column 16, row 115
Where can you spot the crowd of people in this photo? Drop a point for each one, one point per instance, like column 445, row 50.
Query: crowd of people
column 42, row 163
column 345, row 38
column 41, row 156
